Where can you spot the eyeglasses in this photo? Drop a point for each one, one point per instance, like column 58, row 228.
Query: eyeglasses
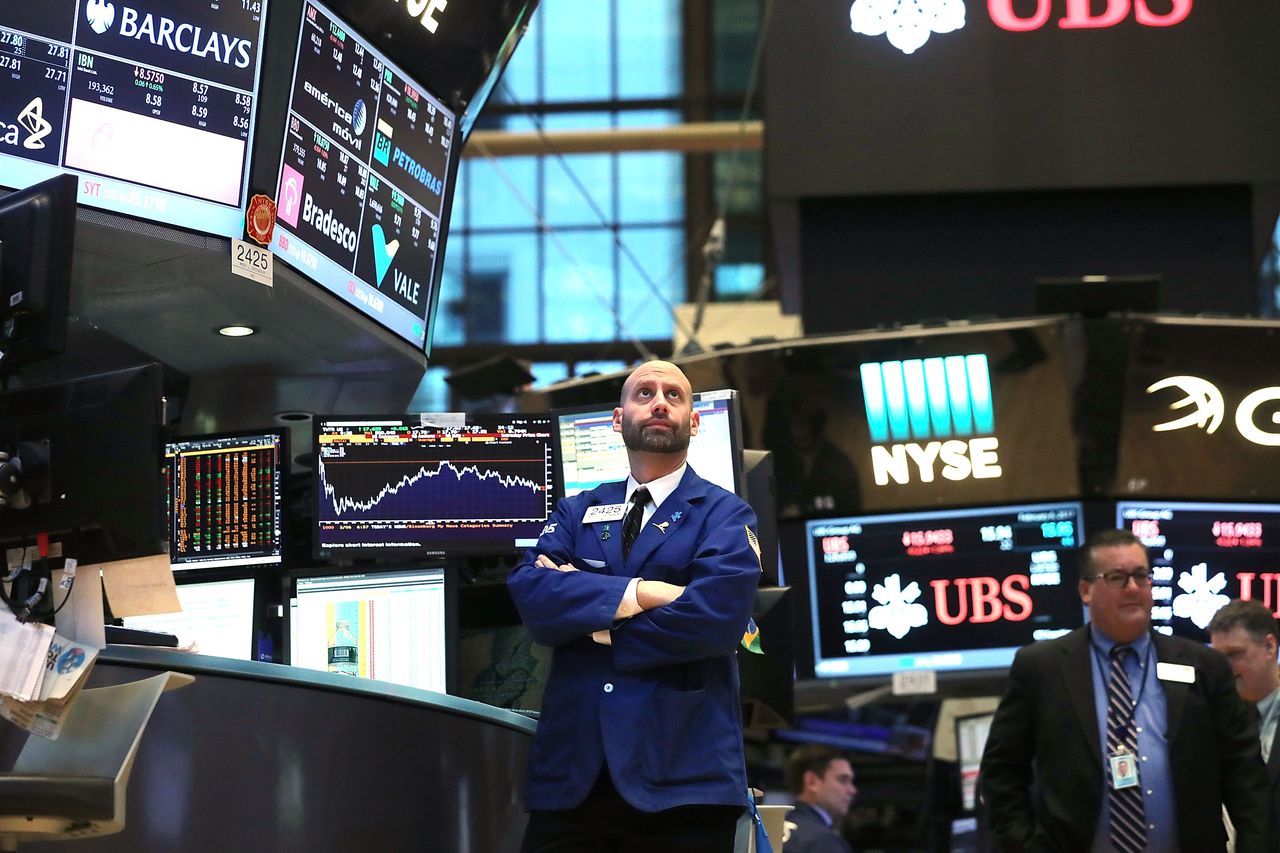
column 1119, row 580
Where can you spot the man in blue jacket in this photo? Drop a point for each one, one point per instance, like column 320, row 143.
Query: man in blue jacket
column 644, row 589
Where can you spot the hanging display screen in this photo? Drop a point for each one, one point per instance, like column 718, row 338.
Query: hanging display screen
column 150, row 102
column 361, row 192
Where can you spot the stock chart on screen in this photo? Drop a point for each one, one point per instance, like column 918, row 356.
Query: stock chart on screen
column 414, row 486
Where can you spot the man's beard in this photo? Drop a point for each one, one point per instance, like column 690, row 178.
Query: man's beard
column 637, row 438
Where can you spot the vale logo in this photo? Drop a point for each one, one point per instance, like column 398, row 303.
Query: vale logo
column 915, row 400
column 101, row 14
column 383, row 252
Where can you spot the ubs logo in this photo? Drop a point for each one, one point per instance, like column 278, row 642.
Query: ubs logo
column 909, row 23
column 1209, row 409
column 945, row 399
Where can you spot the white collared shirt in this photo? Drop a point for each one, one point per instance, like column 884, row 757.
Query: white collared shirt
column 1268, row 717
column 659, row 490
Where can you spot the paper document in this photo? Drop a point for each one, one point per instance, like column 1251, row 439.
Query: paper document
column 66, row 668
column 24, row 647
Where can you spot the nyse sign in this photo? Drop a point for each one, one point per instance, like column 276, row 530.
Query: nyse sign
column 1208, row 409
column 945, row 399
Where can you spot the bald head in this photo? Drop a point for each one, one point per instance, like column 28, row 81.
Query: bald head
column 656, row 419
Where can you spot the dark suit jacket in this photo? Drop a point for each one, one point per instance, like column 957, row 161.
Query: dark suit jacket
column 1045, row 733
column 807, row 832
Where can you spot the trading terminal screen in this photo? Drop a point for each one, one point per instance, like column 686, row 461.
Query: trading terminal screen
column 151, row 102
column 591, row 452
column 1202, row 556
column 361, row 192
column 954, row 590
column 433, row 486
column 395, row 620
column 224, row 499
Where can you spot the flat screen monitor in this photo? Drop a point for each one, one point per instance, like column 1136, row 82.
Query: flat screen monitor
column 91, row 452
column 432, row 485
column 225, row 496
column 150, row 103
column 361, row 188
column 591, row 452
column 389, row 626
column 949, row 591
column 1202, row 556
column 217, row 618
column 971, row 740
column 37, row 233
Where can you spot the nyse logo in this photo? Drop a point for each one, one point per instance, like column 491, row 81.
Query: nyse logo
column 1209, row 409
column 945, row 399
column 425, row 11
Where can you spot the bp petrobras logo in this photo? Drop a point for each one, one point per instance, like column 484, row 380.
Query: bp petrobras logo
column 922, row 413
column 907, row 23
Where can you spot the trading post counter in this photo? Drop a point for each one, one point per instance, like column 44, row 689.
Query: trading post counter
column 257, row 756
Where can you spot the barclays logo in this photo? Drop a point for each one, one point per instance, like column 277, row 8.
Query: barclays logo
column 101, row 15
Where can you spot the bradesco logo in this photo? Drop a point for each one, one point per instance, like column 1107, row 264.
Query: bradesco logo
column 169, row 34
column 328, row 224
column 944, row 399
column 908, row 24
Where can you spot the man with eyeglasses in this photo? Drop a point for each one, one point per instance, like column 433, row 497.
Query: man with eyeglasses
column 1116, row 738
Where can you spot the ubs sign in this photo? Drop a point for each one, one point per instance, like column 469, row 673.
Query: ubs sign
column 909, row 23
column 929, row 416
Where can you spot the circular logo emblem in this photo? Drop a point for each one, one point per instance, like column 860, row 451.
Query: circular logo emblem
column 260, row 219
column 71, row 660
column 359, row 116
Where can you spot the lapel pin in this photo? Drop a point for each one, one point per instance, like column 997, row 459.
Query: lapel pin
column 676, row 516
column 663, row 526
column 604, row 532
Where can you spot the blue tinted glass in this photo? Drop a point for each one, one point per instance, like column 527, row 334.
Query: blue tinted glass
column 502, row 288
column 576, row 50
column 650, row 187
column 548, row 372
column 649, row 64
column 660, row 252
column 582, row 368
column 448, row 331
column 580, row 289
column 739, row 280
column 520, row 79
column 579, row 189
column 458, row 207
column 493, row 202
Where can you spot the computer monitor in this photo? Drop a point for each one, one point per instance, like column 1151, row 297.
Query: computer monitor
column 364, row 176
column 432, row 485
column 1202, row 556
column 217, row 618
column 762, row 494
column 151, row 103
column 951, row 591
column 225, row 498
column 388, row 626
column 591, row 452
column 37, row 235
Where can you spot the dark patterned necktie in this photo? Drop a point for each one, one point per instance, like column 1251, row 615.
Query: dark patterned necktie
column 1128, row 818
column 631, row 524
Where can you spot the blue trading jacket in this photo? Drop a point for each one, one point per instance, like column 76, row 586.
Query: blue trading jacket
column 660, row 705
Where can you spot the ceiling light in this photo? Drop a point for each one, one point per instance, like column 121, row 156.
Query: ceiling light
column 236, row 331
